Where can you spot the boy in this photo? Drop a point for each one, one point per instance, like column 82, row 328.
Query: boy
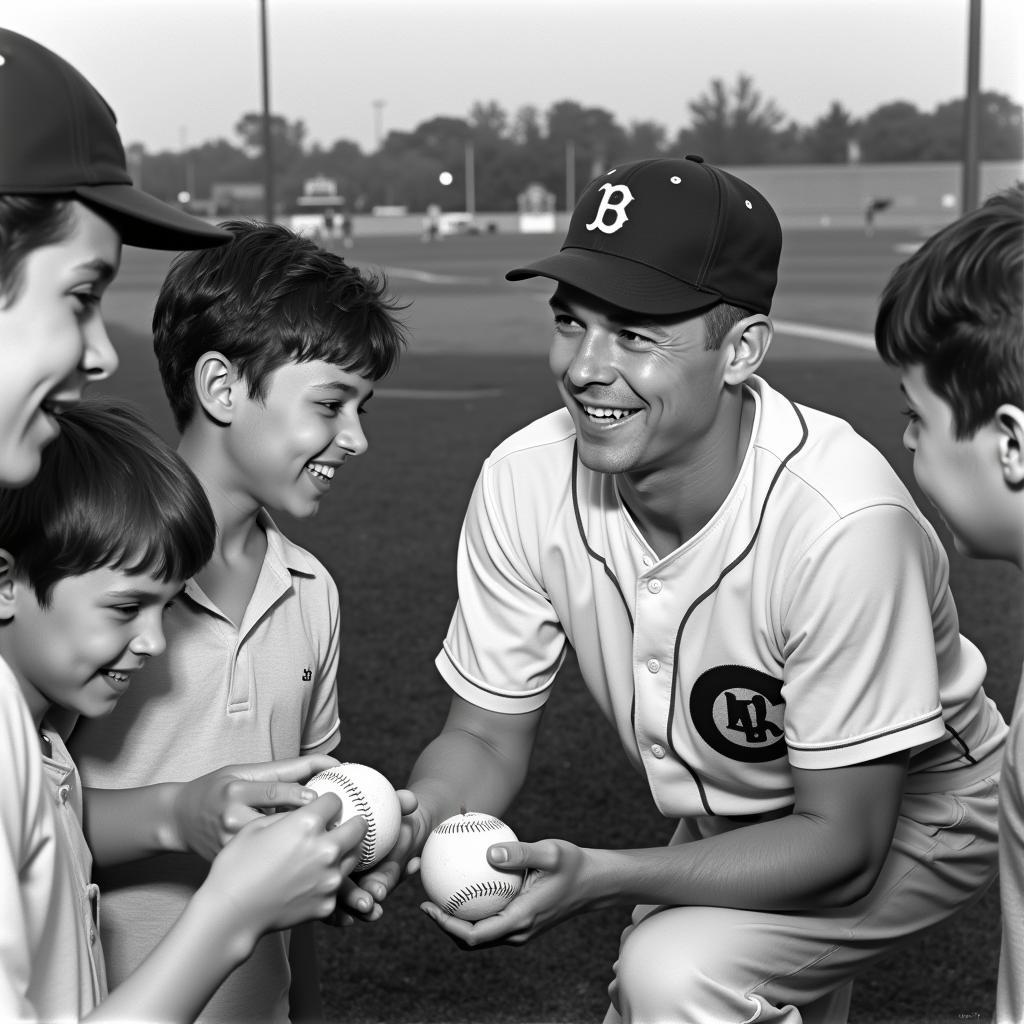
column 91, row 553
column 951, row 320
column 66, row 206
column 757, row 607
column 268, row 349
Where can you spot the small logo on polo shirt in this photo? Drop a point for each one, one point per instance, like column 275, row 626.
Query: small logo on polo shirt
column 307, row 675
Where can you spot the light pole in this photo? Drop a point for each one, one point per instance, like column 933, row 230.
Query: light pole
column 470, row 179
column 378, row 121
column 190, row 171
column 972, row 105
column 570, row 175
column 268, row 148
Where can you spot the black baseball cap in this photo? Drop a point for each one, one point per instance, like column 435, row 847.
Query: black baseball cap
column 669, row 235
column 59, row 137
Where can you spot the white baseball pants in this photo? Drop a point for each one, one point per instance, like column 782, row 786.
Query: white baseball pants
column 714, row 965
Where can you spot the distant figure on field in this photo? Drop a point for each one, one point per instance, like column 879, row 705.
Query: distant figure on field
column 875, row 206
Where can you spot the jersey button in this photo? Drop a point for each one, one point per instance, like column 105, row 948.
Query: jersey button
column 63, row 792
column 657, row 750
column 654, row 586
column 653, row 666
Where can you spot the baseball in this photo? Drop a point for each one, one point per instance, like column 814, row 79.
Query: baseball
column 455, row 871
column 364, row 791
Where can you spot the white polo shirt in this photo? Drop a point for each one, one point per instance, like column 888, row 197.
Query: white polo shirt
column 221, row 694
column 809, row 623
column 51, row 959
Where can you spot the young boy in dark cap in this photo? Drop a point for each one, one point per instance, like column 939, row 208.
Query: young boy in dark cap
column 67, row 204
column 756, row 605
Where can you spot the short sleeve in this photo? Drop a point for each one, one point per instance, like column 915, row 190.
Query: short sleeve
column 860, row 678
column 505, row 643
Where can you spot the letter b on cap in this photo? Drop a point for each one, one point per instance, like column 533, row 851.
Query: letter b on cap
column 614, row 201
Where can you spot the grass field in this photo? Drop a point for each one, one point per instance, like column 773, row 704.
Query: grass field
column 475, row 371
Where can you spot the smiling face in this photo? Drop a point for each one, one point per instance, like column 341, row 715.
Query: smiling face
column 83, row 649
column 52, row 339
column 287, row 447
column 644, row 392
column 962, row 478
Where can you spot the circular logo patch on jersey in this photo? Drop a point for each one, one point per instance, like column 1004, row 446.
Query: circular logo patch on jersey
column 739, row 712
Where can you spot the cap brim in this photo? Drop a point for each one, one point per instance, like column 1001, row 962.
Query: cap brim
column 145, row 221
column 619, row 281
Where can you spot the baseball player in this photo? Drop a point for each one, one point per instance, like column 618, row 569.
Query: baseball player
column 757, row 606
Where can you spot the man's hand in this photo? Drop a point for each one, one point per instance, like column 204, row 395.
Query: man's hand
column 209, row 810
column 554, row 889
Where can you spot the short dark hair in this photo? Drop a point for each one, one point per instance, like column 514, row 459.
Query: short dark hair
column 28, row 223
column 267, row 298
column 719, row 320
column 109, row 494
column 956, row 308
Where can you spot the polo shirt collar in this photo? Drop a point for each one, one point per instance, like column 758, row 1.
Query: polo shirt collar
column 281, row 561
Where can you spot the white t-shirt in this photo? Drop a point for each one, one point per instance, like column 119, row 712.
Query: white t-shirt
column 51, row 961
column 809, row 623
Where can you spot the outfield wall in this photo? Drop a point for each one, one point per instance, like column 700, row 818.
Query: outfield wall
column 924, row 196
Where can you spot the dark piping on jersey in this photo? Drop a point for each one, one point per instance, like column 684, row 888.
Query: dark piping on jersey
column 679, row 633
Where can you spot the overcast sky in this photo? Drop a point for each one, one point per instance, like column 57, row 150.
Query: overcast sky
column 180, row 72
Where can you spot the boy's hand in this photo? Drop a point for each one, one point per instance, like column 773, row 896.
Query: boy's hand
column 209, row 810
column 283, row 869
column 361, row 897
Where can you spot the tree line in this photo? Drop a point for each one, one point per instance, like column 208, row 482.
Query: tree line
column 568, row 144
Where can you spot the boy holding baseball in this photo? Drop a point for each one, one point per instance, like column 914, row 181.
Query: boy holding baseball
column 951, row 320
column 92, row 552
column 268, row 349
column 67, row 205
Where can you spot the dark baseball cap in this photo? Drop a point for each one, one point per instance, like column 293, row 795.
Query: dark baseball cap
column 668, row 235
column 60, row 138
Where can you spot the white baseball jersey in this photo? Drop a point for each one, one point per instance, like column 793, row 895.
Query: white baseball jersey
column 809, row 623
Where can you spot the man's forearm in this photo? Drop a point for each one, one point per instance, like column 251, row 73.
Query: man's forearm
column 458, row 772
column 827, row 853
column 787, row 865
